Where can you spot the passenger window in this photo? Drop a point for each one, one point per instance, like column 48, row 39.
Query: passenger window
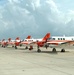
column 63, row 38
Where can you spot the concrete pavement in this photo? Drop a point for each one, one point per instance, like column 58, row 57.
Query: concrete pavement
column 25, row 62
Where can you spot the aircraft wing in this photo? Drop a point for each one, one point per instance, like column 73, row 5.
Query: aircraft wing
column 61, row 44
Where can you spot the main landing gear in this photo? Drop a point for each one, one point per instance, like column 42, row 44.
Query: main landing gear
column 54, row 50
column 31, row 47
column 15, row 47
column 63, row 50
column 38, row 50
column 26, row 47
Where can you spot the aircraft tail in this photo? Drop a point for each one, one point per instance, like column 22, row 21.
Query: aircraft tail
column 46, row 36
column 9, row 39
column 29, row 37
column 17, row 38
column 3, row 40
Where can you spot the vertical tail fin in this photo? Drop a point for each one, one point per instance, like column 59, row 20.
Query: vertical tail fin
column 3, row 40
column 29, row 37
column 46, row 36
column 9, row 39
column 17, row 38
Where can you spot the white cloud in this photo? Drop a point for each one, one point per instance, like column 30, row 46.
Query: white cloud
column 67, row 16
column 1, row 16
column 10, row 1
column 27, row 4
column 58, row 16
column 71, row 13
column 35, row 4
column 53, row 6
column 14, row 1
column 34, row 17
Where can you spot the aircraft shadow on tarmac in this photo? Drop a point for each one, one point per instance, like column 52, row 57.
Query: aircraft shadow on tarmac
column 50, row 52
column 35, row 51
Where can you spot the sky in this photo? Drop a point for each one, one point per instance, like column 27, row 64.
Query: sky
column 36, row 17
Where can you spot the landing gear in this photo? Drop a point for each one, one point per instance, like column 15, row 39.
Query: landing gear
column 63, row 50
column 20, row 45
column 3, row 46
column 12, row 46
column 54, row 50
column 46, row 45
column 26, row 47
column 31, row 47
column 15, row 47
column 38, row 50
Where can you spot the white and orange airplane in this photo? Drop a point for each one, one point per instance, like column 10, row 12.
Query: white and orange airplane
column 11, row 42
column 53, row 41
column 31, row 42
column 19, row 42
column 48, row 41
column 60, row 41
column 3, row 43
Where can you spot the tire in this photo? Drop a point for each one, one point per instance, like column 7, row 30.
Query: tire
column 15, row 47
column 62, row 50
column 38, row 50
column 54, row 50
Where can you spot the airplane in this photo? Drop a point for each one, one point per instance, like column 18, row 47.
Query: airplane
column 55, row 41
column 19, row 42
column 47, row 41
column 3, row 43
column 11, row 42
column 31, row 42
column 43, row 42
column 60, row 41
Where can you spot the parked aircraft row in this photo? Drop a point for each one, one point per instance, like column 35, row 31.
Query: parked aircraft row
column 46, row 41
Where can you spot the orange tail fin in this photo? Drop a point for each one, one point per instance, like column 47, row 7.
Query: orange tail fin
column 46, row 36
column 9, row 39
column 17, row 38
column 29, row 37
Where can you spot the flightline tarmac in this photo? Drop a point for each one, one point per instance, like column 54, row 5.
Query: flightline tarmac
column 25, row 62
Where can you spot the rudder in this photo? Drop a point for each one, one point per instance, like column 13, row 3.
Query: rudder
column 46, row 36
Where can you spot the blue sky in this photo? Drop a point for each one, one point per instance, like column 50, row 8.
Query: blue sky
column 36, row 18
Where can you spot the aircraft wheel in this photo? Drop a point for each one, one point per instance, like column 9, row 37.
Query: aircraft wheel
column 62, row 50
column 4, row 46
column 26, row 47
column 38, row 50
column 54, row 50
column 12, row 46
column 15, row 47
column 20, row 45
